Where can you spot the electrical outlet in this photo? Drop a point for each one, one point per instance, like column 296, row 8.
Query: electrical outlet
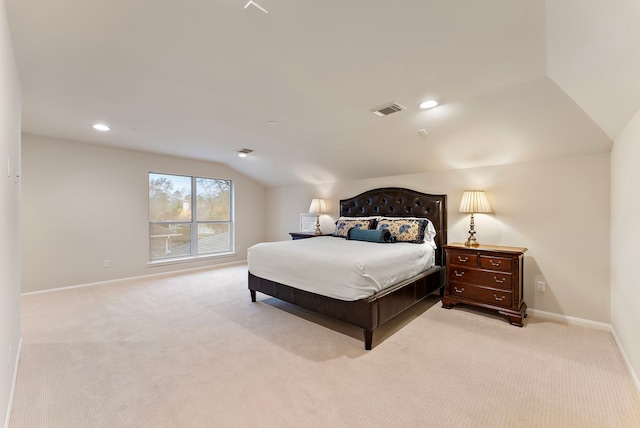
column 541, row 286
column 107, row 263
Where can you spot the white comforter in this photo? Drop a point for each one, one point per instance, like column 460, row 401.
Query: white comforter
column 337, row 267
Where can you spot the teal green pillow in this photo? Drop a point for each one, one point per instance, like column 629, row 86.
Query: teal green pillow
column 369, row 235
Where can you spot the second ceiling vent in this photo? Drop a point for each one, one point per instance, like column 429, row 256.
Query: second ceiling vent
column 387, row 109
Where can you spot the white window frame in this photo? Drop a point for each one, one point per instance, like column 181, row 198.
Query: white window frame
column 193, row 224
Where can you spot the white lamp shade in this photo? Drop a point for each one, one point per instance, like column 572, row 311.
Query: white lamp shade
column 317, row 206
column 474, row 201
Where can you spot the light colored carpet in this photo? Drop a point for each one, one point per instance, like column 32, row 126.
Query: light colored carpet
column 192, row 350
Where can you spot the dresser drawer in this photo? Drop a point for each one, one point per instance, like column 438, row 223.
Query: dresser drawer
column 480, row 277
column 463, row 259
column 495, row 263
column 479, row 294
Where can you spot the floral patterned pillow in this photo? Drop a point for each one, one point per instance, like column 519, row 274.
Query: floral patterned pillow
column 343, row 226
column 404, row 230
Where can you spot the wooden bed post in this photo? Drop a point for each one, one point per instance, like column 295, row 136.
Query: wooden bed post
column 253, row 295
column 368, row 339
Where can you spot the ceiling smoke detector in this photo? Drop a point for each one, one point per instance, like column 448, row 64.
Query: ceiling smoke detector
column 387, row 109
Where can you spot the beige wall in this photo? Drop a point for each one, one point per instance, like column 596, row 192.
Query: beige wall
column 625, row 252
column 82, row 204
column 558, row 209
column 10, row 107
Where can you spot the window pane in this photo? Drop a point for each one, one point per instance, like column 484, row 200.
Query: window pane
column 214, row 238
column 170, row 240
column 214, row 199
column 169, row 198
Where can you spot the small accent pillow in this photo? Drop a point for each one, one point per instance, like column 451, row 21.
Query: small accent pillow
column 405, row 230
column 429, row 231
column 343, row 226
column 375, row 235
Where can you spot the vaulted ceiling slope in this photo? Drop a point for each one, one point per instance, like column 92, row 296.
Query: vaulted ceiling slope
column 517, row 81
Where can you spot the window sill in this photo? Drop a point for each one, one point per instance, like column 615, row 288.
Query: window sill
column 190, row 259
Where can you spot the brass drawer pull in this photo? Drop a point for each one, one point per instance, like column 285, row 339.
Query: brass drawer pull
column 495, row 264
column 458, row 274
column 499, row 299
column 458, row 290
column 499, row 281
column 460, row 259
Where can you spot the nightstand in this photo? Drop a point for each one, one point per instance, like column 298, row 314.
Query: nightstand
column 305, row 235
column 489, row 276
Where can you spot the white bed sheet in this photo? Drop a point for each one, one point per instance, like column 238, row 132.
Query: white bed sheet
column 339, row 268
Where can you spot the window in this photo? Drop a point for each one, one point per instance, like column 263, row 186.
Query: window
column 189, row 216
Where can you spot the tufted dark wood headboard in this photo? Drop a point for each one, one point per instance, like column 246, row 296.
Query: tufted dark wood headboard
column 399, row 202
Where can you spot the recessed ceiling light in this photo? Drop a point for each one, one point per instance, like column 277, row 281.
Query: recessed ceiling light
column 429, row 104
column 244, row 152
column 101, row 127
column 273, row 123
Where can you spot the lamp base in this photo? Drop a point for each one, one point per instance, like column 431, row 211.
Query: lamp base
column 471, row 241
column 318, row 230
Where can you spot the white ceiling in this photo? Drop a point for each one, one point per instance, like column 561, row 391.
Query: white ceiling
column 200, row 79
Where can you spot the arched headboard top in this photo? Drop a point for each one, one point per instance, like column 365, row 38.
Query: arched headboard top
column 400, row 202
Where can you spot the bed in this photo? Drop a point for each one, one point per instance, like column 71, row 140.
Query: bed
column 376, row 309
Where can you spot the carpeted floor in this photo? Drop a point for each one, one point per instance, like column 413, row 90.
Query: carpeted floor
column 192, row 350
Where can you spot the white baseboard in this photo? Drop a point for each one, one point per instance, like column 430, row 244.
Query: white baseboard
column 626, row 359
column 570, row 320
column 152, row 275
column 13, row 385
column 592, row 324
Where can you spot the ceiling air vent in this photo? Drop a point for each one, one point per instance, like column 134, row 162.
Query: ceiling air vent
column 387, row 109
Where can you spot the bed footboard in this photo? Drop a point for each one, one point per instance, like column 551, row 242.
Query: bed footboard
column 365, row 313
column 358, row 312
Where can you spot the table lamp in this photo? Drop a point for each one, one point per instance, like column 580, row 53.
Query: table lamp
column 317, row 207
column 474, row 201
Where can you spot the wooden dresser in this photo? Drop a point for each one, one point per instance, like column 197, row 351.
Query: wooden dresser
column 490, row 276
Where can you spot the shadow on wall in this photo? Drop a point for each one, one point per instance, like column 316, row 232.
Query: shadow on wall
column 488, row 228
column 540, row 300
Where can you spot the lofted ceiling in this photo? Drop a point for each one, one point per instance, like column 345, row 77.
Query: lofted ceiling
column 516, row 81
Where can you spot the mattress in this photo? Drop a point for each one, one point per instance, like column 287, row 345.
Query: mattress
column 339, row 268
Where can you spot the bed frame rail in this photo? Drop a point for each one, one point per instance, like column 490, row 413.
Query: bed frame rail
column 368, row 313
